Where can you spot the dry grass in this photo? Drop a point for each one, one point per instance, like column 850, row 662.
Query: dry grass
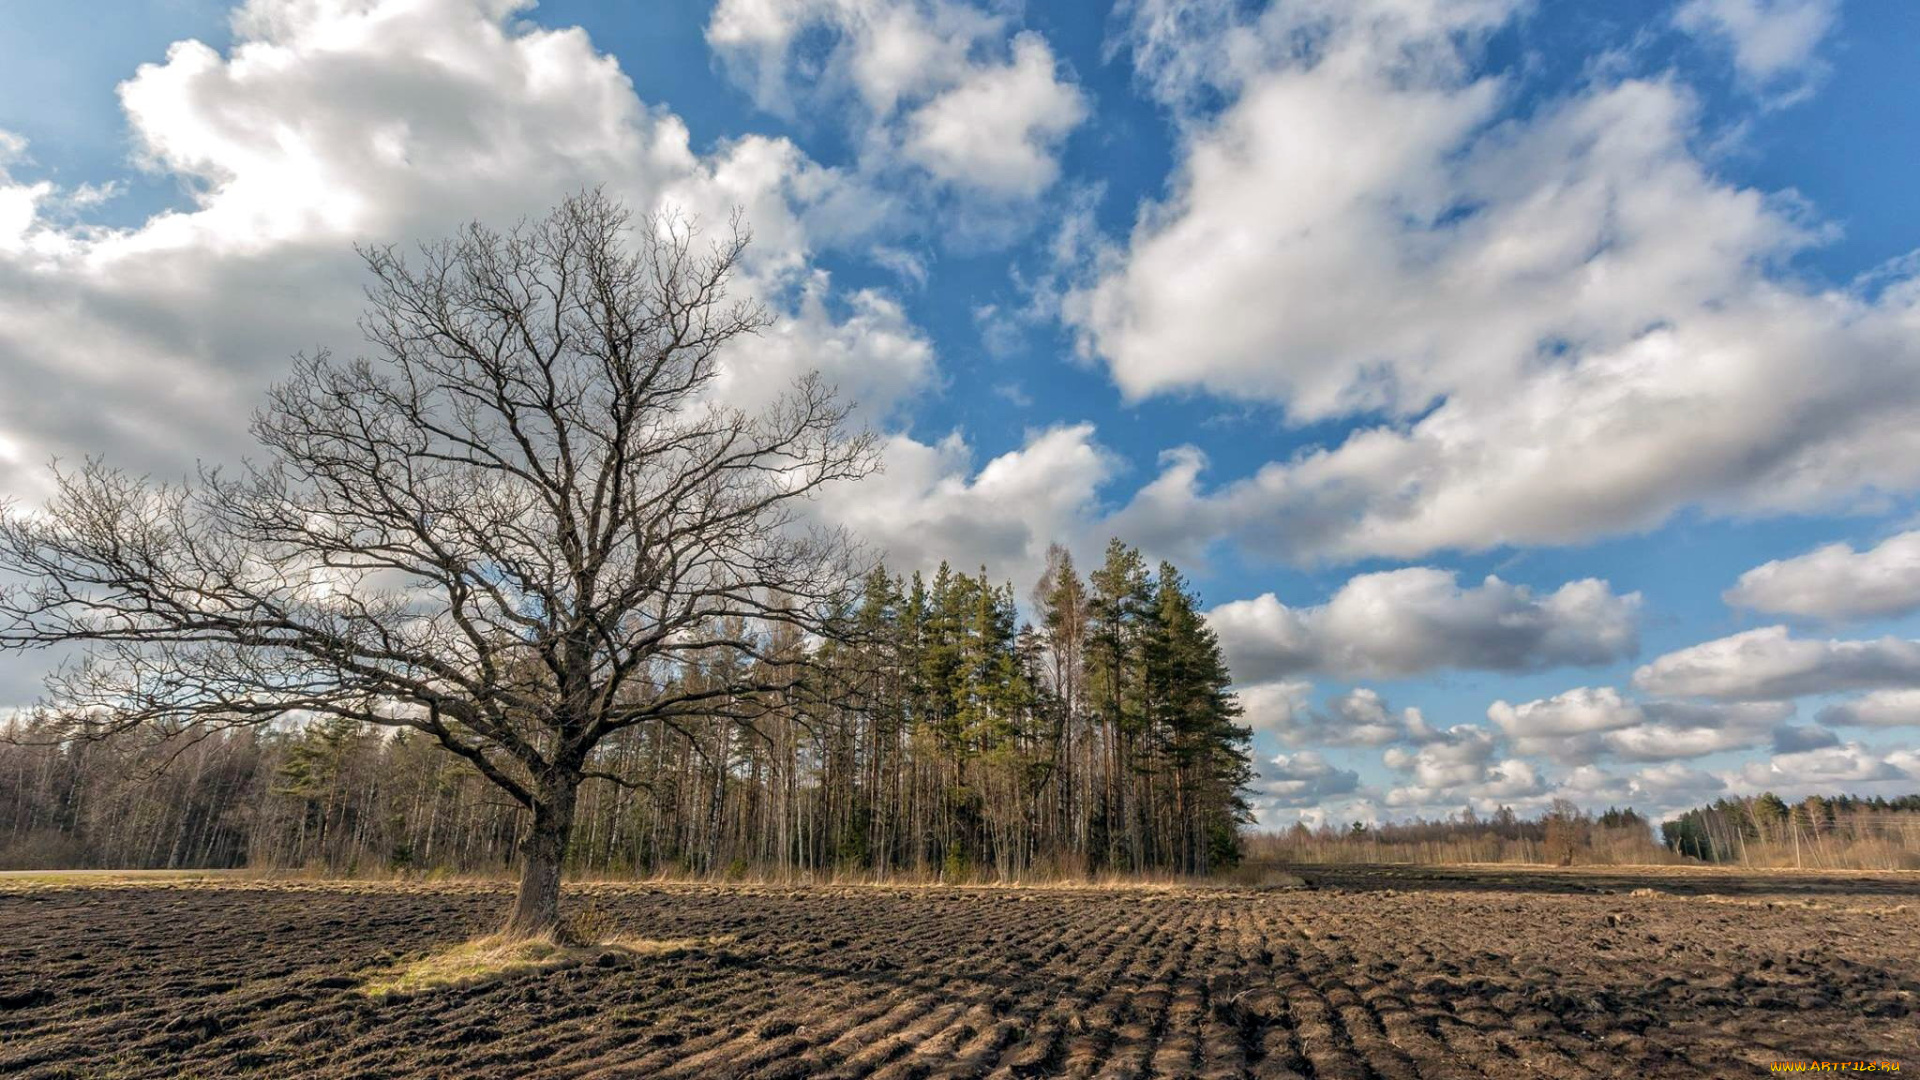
column 23, row 880
column 496, row 956
column 1116, row 882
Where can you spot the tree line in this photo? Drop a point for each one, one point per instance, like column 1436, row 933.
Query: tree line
column 1842, row 832
column 1832, row 832
column 934, row 734
column 1562, row 834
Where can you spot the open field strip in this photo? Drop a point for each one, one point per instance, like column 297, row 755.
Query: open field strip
column 1374, row 973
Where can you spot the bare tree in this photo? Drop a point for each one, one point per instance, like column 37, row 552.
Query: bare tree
column 525, row 524
column 1567, row 831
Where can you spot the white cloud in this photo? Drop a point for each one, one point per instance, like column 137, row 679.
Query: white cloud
column 940, row 84
column 20, row 203
column 929, row 504
column 1313, row 250
column 1655, row 789
column 340, row 119
column 1768, row 663
column 1851, row 763
column 1362, row 716
column 1670, row 742
column 335, row 122
column 1881, row 708
column 1586, row 723
column 999, row 130
column 1336, row 813
column 1458, row 767
column 1280, row 707
column 1402, row 622
column 1187, row 50
column 875, row 355
column 1458, row 758
column 1363, row 232
column 1302, row 779
column 1358, row 717
column 1503, row 783
column 1472, row 766
column 1675, row 784
column 1837, row 582
column 884, row 50
column 1581, row 711
column 1591, row 783
column 1770, row 39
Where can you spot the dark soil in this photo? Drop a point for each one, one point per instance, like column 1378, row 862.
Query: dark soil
column 1373, row 975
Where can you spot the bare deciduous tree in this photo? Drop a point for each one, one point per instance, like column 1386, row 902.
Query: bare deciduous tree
column 524, row 524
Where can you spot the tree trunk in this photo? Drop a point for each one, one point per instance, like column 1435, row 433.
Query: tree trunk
column 536, row 911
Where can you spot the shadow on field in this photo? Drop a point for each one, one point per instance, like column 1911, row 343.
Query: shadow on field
column 1678, row 881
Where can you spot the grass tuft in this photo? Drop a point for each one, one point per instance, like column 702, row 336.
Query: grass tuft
column 496, row 956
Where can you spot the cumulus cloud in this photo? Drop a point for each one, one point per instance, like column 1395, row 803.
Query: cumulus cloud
column 1658, row 789
column 1680, row 741
column 1459, row 767
column 1674, row 784
column 1837, row 582
column 1279, row 706
column 20, row 202
column 1362, row 230
column 1770, row 40
column 1581, row 711
column 1358, row 717
column 1362, row 716
column 1881, row 708
column 1187, row 52
column 884, row 50
column 1403, row 622
column 330, row 123
column 1586, row 723
column 930, row 503
column 1302, row 779
column 1830, row 766
column 1769, row 663
column 1501, row 783
column 1456, row 759
column 1000, row 129
column 944, row 85
column 1486, row 769
column 866, row 346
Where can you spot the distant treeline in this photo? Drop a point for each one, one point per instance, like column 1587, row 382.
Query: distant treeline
column 939, row 737
column 1562, row 835
column 1843, row 832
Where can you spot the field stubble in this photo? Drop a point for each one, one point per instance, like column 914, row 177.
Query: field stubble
column 1376, row 974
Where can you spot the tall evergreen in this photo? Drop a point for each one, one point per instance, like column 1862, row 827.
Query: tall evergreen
column 1206, row 753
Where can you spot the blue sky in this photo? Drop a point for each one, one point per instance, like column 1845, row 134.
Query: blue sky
column 1346, row 307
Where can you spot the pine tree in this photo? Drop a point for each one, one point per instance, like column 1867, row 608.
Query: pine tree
column 1194, row 721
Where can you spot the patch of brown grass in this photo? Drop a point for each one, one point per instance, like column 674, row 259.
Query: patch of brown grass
column 497, row 956
column 33, row 880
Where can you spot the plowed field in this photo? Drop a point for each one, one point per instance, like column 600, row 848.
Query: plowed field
column 1371, row 974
